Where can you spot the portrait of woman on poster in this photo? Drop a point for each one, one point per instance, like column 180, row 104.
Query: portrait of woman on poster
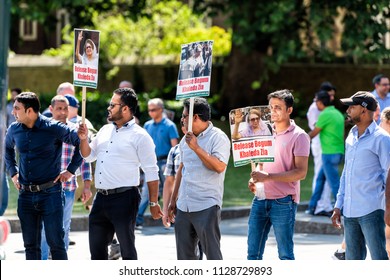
column 89, row 55
column 255, row 125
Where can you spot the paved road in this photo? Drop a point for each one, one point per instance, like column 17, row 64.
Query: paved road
column 158, row 243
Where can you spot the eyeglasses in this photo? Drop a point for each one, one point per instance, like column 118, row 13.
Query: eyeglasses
column 384, row 85
column 88, row 47
column 112, row 105
column 254, row 119
column 153, row 110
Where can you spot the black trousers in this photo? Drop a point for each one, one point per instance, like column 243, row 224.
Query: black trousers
column 113, row 213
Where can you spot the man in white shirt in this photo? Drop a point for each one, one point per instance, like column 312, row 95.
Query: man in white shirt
column 120, row 148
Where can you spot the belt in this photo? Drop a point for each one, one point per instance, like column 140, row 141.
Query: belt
column 162, row 157
column 113, row 191
column 38, row 188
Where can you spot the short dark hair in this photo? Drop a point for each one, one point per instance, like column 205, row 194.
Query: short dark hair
column 18, row 90
column 324, row 97
column 377, row 79
column 201, row 108
column 327, row 86
column 29, row 100
column 128, row 97
column 284, row 95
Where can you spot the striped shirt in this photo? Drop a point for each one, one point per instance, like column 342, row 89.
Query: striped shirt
column 85, row 169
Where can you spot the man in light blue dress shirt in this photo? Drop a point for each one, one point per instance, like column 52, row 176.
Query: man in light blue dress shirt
column 361, row 196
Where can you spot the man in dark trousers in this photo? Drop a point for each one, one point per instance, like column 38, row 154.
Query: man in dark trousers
column 37, row 174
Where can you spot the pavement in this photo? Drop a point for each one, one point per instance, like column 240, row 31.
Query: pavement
column 315, row 238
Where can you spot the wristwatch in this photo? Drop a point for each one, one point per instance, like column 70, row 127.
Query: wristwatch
column 152, row 204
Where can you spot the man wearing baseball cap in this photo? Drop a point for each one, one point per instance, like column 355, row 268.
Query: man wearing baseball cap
column 361, row 195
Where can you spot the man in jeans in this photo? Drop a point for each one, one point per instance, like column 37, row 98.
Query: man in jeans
column 59, row 109
column 330, row 127
column 281, row 182
column 38, row 175
column 165, row 136
column 361, row 195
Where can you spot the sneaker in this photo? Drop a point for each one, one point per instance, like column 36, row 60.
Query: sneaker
column 309, row 211
column 138, row 227
column 115, row 251
column 339, row 255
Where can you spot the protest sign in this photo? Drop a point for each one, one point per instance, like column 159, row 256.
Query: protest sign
column 195, row 70
column 251, row 134
column 194, row 73
column 86, row 62
column 86, row 58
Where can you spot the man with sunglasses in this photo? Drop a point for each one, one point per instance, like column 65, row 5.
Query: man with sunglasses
column 120, row 148
column 196, row 201
column 165, row 136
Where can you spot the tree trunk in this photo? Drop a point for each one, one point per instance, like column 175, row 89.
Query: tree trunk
column 241, row 71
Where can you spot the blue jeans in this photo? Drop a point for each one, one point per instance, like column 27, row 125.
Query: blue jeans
column 4, row 195
column 45, row 206
column 366, row 230
column 329, row 172
column 279, row 213
column 68, row 207
column 145, row 192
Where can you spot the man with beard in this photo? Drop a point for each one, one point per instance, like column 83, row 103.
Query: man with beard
column 361, row 195
column 120, row 148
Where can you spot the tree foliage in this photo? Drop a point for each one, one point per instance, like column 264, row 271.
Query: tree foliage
column 158, row 31
column 267, row 34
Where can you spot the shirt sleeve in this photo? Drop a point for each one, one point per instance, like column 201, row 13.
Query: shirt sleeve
column 147, row 156
column 10, row 155
column 340, row 194
column 312, row 115
column 86, row 171
column 221, row 147
column 70, row 136
column 170, row 166
column 173, row 133
column 302, row 145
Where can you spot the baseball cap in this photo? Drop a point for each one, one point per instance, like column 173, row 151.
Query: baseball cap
column 73, row 102
column 362, row 98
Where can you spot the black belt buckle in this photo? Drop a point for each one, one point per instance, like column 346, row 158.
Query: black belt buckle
column 104, row 192
column 33, row 188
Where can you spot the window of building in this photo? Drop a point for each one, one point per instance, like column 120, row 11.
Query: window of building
column 28, row 30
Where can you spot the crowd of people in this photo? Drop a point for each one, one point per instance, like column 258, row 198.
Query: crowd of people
column 50, row 155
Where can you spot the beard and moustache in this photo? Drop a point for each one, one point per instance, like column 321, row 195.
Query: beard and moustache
column 114, row 117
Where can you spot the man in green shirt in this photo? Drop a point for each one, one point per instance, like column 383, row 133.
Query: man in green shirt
column 330, row 126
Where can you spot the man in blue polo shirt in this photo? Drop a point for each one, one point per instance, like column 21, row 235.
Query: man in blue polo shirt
column 165, row 136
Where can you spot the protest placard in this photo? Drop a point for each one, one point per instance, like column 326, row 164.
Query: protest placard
column 86, row 58
column 251, row 134
column 86, row 62
column 195, row 70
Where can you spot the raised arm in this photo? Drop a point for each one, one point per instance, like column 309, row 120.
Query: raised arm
column 77, row 52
